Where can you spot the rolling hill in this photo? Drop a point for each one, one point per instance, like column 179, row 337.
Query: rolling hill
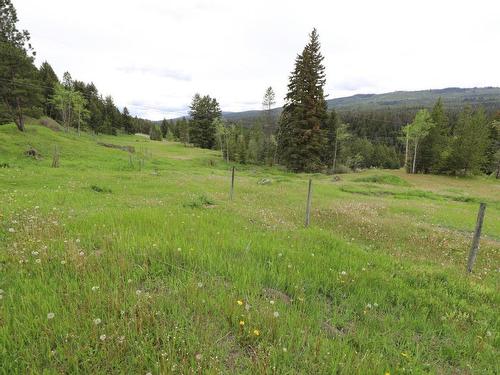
column 453, row 97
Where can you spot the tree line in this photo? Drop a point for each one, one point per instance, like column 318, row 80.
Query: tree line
column 26, row 90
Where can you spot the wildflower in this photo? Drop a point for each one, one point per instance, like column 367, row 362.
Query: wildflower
column 121, row 339
column 343, row 273
column 242, row 323
column 77, row 240
column 200, row 285
column 81, row 253
column 247, row 307
column 138, row 291
column 284, row 350
column 38, row 260
column 369, row 305
column 276, row 314
column 387, row 373
column 11, row 230
column 199, row 357
column 95, row 288
column 35, row 253
column 50, row 315
column 271, row 302
column 256, row 332
column 102, row 337
column 63, row 262
column 239, row 302
column 97, row 321
column 404, row 354
column 488, row 333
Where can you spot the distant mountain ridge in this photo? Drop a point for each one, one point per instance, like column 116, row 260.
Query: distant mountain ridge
column 452, row 97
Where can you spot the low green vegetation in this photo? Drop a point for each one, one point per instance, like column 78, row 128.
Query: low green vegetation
column 121, row 262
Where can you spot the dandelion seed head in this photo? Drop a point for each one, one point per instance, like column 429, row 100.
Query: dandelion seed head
column 276, row 314
column 200, row 285
column 199, row 357
column 95, row 288
column 50, row 315
column 81, row 253
column 97, row 321
column 11, row 230
column 102, row 337
column 271, row 302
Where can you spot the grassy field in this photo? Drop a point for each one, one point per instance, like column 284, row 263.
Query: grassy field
column 136, row 264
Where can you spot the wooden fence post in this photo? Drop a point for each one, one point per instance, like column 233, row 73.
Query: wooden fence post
column 308, row 207
column 232, row 185
column 477, row 235
column 55, row 158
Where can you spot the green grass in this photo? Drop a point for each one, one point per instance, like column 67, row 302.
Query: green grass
column 150, row 244
column 387, row 179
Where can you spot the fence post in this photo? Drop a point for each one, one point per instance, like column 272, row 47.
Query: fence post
column 477, row 235
column 55, row 158
column 308, row 206
column 232, row 185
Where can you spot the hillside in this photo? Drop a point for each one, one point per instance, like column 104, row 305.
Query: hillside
column 452, row 97
column 121, row 262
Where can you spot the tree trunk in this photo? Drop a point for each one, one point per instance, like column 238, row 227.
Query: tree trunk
column 415, row 158
column 334, row 157
column 19, row 120
column 406, row 153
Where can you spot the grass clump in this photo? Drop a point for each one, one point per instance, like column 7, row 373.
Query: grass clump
column 100, row 189
column 383, row 179
column 201, row 201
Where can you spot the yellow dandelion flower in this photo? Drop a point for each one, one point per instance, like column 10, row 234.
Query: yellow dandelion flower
column 242, row 323
column 404, row 354
column 239, row 302
column 256, row 332
column 387, row 373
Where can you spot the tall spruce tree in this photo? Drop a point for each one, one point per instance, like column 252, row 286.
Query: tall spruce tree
column 470, row 142
column 204, row 110
column 301, row 134
column 434, row 146
column 49, row 81
column 128, row 127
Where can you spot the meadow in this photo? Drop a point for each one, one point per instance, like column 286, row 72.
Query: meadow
column 139, row 263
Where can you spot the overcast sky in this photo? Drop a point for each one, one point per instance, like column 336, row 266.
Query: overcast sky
column 154, row 55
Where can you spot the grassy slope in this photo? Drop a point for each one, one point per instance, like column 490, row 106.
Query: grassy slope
column 376, row 283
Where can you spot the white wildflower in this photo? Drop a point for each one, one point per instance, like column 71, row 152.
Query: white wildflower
column 50, row 315
column 97, row 321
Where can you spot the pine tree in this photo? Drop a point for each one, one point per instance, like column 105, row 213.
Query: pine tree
column 127, row 125
column 19, row 81
column 434, row 146
column 470, row 142
column 164, row 128
column 301, row 134
column 204, row 110
column 267, row 103
column 49, row 80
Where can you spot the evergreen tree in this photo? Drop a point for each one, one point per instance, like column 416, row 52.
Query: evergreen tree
column 164, row 128
column 301, row 137
column 470, row 142
column 204, row 110
column 19, row 82
column 434, row 145
column 267, row 103
column 49, row 80
column 128, row 127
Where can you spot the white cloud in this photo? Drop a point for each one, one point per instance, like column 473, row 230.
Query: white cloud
column 160, row 53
